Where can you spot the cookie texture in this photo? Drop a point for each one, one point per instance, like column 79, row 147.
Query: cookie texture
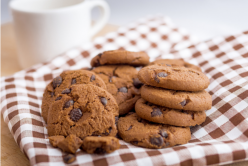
column 120, row 57
column 62, row 83
column 193, row 101
column 164, row 115
column 176, row 78
column 175, row 63
column 100, row 145
column 122, row 83
column 54, row 140
column 87, row 110
column 70, row 144
column 142, row 133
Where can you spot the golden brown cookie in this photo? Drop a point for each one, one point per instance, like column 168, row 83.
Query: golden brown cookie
column 100, row 145
column 193, row 101
column 122, row 83
column 142, row 133
column 62, row 84
column 122, row 57
column 87, row 110
column 164, row 115
column 175, row 63
column 176, row 78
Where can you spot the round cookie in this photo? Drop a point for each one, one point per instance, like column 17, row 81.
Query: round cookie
column 87, row 110
column 193, row 101
column 122, row 83
column 175, row 63
column 176, row 78
column 62, row 83
column 142, row 133
column 164, row 115
column 100, row 145
column 120, row 57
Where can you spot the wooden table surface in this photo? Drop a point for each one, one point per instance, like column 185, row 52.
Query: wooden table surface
column 11, row 155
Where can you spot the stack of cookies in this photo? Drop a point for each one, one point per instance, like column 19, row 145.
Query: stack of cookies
column 173, row 99
column 157, row 103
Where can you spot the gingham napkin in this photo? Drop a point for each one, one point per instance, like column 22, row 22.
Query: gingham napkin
column 223, row 138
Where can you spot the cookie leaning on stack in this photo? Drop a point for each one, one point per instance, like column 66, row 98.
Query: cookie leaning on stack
column 117, row 69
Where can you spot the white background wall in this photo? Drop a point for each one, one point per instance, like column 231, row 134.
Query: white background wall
column 204, row 18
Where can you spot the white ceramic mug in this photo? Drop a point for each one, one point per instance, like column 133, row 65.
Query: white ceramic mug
column 47, row 28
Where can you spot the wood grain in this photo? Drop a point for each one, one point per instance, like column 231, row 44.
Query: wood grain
column 11, row 154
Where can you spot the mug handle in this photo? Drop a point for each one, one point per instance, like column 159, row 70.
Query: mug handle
column 105, row 12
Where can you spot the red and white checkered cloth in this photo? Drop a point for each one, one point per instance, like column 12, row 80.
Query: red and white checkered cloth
column 223, row 138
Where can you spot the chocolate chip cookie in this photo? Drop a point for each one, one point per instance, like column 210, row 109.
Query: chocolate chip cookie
column 176, row 78
column 100, row 145
column 120, row 57
column 164, row 115
column 142, row 133
column 62, row 83
column 175, row 63
column 193, row 101
column 122, row 83
column 87, row 110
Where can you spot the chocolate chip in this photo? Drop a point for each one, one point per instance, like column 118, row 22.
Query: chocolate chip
column 193, row 116
column 134, row 142
column 168, row 65
column 66, row 91
column 183, row 103
column 104, row 101
column 100, row 54
column 110, row 78
column 116, row 120
column 68, row 103
column 162, row 74
column 57, row 81
column 156, row 79
column 100, row 151
column 97, row 63
column 95, row 134
column 107, row 133
column 137, row 83
column 141, row 120
column 69, row 158
column 184, row 112
column 173, row 92
column 123, row 89
column 156, row 112
column 130, row 128
column 52, row 94
column 73, row 81
column 157, row 140
column 76, row 114
column 92, row 78
column 163, row 133
column 58, row 98
column 149, row 104
column 130, row 113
